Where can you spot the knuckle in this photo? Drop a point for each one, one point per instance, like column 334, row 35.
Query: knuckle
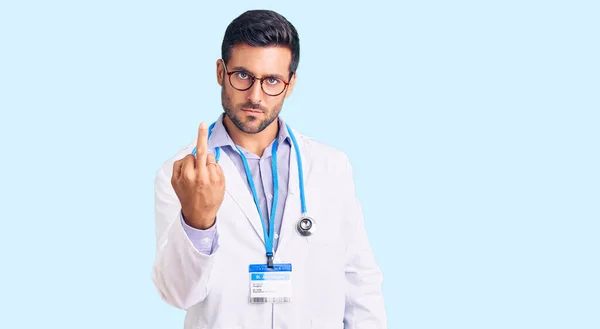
column 187, row 175
column 202, row 180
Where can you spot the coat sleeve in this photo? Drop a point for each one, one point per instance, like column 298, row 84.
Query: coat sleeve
column 365, row 307
column 180, row 272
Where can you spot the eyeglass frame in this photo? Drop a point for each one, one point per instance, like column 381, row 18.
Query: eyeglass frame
column 286, row 84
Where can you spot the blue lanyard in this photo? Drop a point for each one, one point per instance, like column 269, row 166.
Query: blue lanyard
column 269, row 235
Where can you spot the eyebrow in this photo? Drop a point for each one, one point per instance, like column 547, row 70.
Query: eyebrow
column 241, row 68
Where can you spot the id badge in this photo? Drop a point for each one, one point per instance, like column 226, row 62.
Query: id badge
column 270, row 285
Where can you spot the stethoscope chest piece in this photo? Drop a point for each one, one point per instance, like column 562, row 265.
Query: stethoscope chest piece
column 306, row 226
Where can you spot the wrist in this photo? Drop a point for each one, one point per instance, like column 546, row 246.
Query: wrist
column 198, row 222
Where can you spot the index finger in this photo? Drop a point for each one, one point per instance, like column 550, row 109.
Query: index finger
column 202, row 145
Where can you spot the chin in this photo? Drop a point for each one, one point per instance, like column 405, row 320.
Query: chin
column 248, row 125
column 248, row 128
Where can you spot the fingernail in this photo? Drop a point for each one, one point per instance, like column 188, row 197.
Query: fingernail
column 203, row 126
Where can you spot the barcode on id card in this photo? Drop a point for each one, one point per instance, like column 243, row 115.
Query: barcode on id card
column 257, row 300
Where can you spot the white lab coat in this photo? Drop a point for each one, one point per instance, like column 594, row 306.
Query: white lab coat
column 336, row 281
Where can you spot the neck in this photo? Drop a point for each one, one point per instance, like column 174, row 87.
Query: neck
column 255, row 143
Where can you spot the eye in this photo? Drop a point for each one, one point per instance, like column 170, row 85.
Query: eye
column 272, row 81
column 243, row 75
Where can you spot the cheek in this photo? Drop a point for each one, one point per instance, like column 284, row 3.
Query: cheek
column 233, row 98
column 276, row 105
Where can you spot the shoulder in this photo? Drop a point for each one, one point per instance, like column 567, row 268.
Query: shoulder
column 323, row 157
column 328, row 170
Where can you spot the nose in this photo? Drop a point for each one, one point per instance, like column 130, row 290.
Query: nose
column 255, row 93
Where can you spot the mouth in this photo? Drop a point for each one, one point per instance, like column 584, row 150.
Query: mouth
column 252, row 111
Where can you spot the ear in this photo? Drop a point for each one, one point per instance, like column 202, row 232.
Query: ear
column 290, row 87
column 220, row 72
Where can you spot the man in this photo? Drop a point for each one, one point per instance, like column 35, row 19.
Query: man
column 257, row 225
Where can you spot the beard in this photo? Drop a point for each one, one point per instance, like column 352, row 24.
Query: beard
column 252, row 125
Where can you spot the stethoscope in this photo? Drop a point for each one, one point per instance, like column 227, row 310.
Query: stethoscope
column 306, row 224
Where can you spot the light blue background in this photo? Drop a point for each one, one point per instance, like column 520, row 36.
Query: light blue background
column 472, row 126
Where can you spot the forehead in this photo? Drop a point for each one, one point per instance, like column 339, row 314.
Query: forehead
column 261, row 60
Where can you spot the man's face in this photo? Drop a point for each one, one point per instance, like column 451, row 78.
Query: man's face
column 253, row 110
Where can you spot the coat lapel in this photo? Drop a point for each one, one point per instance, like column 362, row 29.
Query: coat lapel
column 236, row 188
column 293, row 206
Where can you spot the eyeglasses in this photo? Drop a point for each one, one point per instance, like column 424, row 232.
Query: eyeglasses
column 243, row 81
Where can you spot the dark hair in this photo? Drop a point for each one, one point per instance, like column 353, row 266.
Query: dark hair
column 262, row 28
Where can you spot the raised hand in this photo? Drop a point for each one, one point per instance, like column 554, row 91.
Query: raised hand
column 199, row 184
